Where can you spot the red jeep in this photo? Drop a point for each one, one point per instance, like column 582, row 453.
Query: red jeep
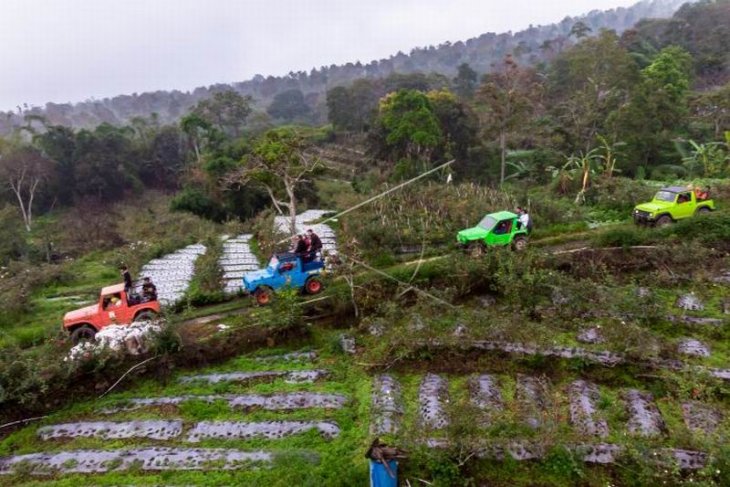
column 113, row 308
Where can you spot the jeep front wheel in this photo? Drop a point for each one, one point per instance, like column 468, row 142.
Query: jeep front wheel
column 262, row 295
column 476, row 249
column 663, row 220
column 519, row 244
column 83, row 333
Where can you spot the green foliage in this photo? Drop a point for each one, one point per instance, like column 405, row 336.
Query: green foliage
column 505, row 100
column 206, row 285
column 196, row 201
column 167, row 341
column 521, row 279
column 12, row 235
column 227, row 111
column 410, row 126
column 625, row 236
column 586, row 85
column 19, row 280
column 658, row 108
column 711, row 160
column 563, row 464
column 353, row 108
column 290, row 106
column 430, row 214
column 711, row 229
column 465, row 81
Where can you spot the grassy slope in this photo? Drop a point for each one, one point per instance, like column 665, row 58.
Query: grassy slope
column 148, row 229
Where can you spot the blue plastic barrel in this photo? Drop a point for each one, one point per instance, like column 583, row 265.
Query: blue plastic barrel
column 379, row 476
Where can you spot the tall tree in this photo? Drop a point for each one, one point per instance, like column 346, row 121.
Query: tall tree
column 458, row 124
column 587, row 83
column 340, row 108
column 465, row 81
column 162, row 158
column 712, row 109
column 579, row 30
column 24, row 170
column 658, row 110
column 59, row 144
column 106, row 163
column 407, row 126
column 197, row 130
column 289, row 105
column 279, row 164
column 505, row 100
column 227, row 111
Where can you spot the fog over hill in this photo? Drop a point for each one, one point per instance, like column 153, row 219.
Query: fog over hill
column 530, row 46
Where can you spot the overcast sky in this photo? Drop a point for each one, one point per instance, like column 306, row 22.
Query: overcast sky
column 72, row 50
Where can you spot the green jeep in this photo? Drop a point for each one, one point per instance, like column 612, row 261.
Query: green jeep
column 672, row 204
column 495, row 229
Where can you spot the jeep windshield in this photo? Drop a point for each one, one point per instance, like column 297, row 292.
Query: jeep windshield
column 667, row 196
column 487, row 223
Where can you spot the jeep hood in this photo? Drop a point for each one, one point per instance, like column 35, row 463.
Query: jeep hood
column 255, row 276
column 470, row 234
column 80, row 314
column 653, row 207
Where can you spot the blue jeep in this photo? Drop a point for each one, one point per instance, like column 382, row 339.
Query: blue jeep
column 285, row 269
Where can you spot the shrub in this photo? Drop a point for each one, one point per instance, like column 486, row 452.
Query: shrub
column 12, row 235
column 622, row 237
column 268, row 239
column 19, row 280
column 430, row 214
column 207, row 283
column 619, row 194
column 713, row 228
column 196, row 201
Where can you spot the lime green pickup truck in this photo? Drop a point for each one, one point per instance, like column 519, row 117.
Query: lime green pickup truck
column 495, row 230
column 672, row 204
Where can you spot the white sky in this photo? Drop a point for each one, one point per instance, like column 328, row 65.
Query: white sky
column 72, row 50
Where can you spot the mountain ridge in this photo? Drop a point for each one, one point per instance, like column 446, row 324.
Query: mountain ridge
column 531, row 46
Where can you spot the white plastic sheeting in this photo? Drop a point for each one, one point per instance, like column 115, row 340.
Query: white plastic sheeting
column 152, row 458
column 237, row 259
column 134, row 339
column 173, row 272
column 303, row 223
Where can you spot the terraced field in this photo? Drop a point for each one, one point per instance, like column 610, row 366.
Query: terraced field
column 306, row 417
column 173, row 272
column 640, row 376
column 257, row 419
column 237, row 259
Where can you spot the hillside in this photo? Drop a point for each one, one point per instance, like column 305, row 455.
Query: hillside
column 524, row 277
column 531, row 46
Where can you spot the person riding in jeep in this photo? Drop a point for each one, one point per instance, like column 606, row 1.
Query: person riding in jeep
column 315, row 244
column 149, row 290
column 524, row 220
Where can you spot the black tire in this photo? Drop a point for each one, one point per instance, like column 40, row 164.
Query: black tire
column 313, row 286
column 84, row 333
column 146, row 315
column 263, row 296
column 476, row 249
column 703, row 210
column 664, row 220
column 519, row 244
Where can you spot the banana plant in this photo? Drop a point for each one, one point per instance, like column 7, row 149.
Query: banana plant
column 711, row 157
column 562, row 176
column 583, row 165
column 609, row 156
